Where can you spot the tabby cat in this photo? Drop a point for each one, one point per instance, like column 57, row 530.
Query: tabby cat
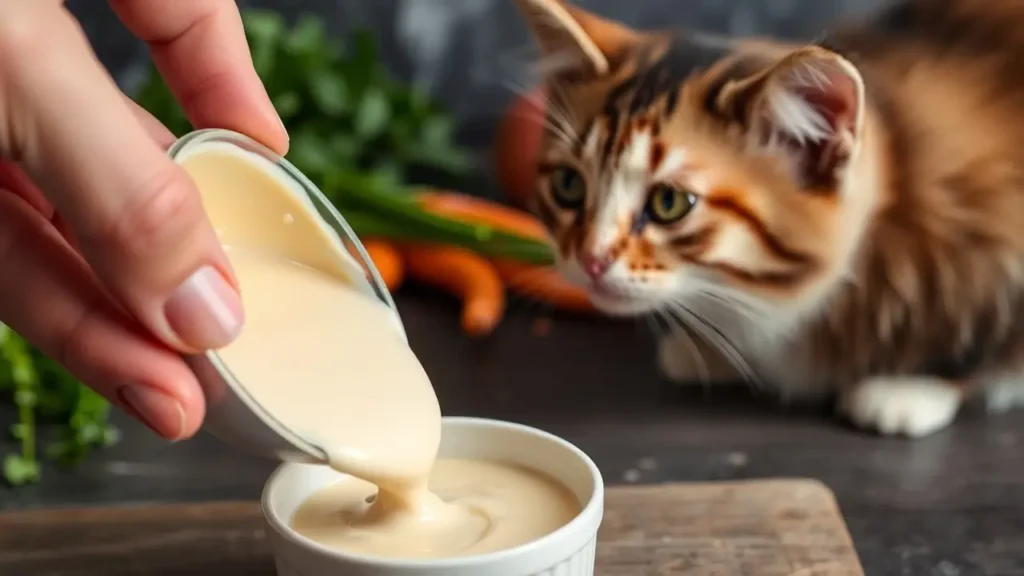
column 839, row 217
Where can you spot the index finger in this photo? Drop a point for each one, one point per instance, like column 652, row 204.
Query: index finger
column 200, row 49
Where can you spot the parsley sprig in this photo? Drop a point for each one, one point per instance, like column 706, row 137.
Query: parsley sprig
column 44, row 393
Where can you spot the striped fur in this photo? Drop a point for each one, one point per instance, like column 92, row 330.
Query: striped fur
column 859, row 217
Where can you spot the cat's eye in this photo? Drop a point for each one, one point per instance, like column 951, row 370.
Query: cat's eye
column 669, row 204
column 568, row 188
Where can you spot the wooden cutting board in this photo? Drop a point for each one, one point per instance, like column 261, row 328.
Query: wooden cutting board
column 753, row 528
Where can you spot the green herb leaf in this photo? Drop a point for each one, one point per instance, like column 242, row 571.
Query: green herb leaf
column 389, row 175
column 310, row 153
column 362, row 65
column 329, row 92
column 307, row 37
column 263, row 26
column 20, row 431
column 40, row 387
column 19, row 471
column 437, row 131
column 373, row 114
column 25, row 397
column 345, row 149
column 264, row 30
column 287, row 104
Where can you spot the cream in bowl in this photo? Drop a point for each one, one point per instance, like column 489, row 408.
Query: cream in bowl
column 468, row 507
column 323, row 354
column 298, row 497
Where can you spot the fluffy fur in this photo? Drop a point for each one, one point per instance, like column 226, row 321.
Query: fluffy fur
column 855, row 218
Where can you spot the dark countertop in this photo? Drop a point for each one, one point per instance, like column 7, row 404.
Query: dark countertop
column 948, row 505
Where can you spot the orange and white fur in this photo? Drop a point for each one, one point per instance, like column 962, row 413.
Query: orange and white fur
column 842, row 217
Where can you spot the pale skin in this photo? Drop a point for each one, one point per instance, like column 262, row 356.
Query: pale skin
column 109, row 264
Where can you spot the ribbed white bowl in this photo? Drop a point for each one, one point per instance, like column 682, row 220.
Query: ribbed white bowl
column 568, row 551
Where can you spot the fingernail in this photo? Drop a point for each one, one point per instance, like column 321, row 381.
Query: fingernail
column 205, row 311
column 160, row 412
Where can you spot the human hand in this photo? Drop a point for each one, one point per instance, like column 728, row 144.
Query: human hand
column 108, row 263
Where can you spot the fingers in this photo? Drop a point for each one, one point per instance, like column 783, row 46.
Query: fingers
column 136, row 216
column 14, row 180
column 200, row 48
column 48, row 295
column 157, row 131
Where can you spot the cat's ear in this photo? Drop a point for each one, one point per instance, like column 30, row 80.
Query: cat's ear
column 575, row 40
column 809, row 107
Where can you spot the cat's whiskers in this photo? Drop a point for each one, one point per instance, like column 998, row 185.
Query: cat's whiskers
column 569, row 114
column 733, row 308
column 714, row 335
column 730, row 303
column 552, row 122
column 560, row 119
column 653, row 324
column 545, row 111
column 677, row 329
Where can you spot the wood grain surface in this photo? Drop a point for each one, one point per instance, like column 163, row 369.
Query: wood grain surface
column 752, row 528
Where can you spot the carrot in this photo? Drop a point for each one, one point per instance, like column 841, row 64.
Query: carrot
column 480, row 211
column 545, row 284
column 467, row 275
column 388, row 261
column 540, row 282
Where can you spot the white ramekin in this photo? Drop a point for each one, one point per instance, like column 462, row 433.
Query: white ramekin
column 568, row 551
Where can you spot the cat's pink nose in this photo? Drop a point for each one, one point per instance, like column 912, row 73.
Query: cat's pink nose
column 595, row 266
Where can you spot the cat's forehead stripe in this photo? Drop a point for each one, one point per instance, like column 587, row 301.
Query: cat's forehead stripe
column 636, row 156
column 662, row 71
column 683, row 56
column 673, row 162
column 592, row 140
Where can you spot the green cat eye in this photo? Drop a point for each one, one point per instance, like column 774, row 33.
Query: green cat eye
column 568, row 188
column 668, row 204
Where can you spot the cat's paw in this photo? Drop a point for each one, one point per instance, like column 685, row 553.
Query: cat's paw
column 907, row 406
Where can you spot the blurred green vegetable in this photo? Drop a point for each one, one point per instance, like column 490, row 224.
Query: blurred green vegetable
column 44, row 393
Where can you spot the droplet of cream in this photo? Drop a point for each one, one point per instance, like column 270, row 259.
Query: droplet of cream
column 289, row 218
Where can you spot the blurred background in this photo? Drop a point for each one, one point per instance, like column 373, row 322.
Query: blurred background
column 951, row 505
column 469, row 54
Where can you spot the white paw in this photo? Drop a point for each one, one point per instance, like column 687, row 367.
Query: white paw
column 893, row 406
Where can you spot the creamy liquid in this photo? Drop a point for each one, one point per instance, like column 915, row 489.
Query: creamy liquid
column 324, row 359
column 488, row 507
column 327, row 359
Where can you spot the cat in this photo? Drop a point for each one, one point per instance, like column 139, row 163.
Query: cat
column 840, row 218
